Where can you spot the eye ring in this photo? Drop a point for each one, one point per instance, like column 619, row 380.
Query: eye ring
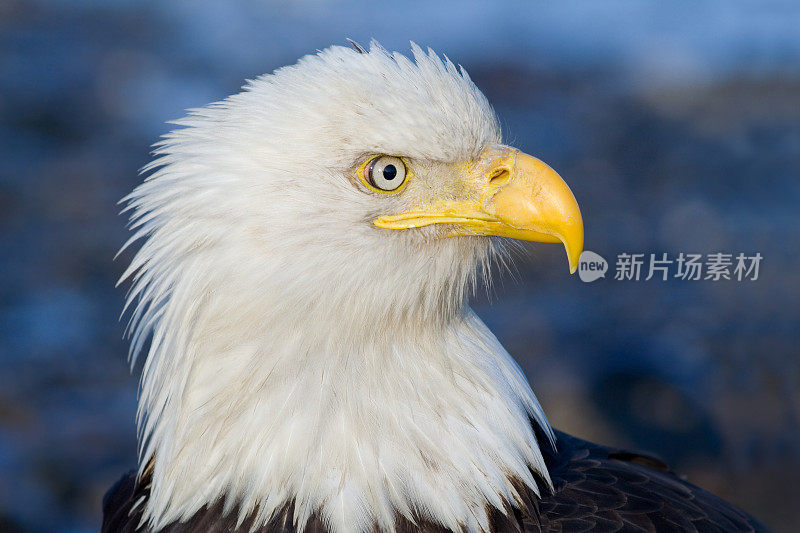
column 385, row 174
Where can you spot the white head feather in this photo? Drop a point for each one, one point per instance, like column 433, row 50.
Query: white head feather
column 298, row 352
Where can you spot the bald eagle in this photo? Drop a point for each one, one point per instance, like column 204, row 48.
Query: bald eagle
column 308, row 249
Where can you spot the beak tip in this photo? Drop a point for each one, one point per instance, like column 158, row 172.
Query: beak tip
column 573, row 256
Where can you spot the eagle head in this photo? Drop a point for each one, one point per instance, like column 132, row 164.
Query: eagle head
column 307, row 250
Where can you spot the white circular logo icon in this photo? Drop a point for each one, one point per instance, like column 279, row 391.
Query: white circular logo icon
column 591, row 266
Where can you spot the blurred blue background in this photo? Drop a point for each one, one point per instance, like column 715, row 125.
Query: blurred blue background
column 677, row 124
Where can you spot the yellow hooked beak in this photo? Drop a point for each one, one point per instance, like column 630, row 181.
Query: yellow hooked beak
column 508, row 194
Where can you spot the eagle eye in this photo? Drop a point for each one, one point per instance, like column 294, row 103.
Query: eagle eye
column 384, row 173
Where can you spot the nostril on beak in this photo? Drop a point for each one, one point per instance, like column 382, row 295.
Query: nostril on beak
column 499, row 177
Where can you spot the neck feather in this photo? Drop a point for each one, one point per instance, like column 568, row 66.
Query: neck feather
column 433, row 423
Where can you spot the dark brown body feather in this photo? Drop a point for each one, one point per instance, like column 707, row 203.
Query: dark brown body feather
column 595, row 488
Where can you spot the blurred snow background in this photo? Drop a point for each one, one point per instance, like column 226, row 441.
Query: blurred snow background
column 677, row 124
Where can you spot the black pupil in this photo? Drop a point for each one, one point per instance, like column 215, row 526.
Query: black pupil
column 389, row 172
